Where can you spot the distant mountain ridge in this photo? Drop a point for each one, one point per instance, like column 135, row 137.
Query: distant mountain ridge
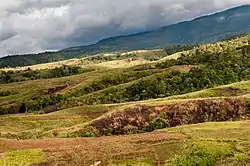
column 204, row 29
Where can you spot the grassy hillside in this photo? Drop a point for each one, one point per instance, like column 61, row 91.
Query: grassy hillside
column 209, row 143
column 205, row 29
column 189, row 108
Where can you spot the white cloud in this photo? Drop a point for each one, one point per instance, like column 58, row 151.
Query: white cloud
column 37, row 25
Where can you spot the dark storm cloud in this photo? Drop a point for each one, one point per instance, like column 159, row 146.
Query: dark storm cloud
column 38, row 25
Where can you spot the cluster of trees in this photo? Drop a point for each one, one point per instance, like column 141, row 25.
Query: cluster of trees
column 46, row 103
column 214, row 70
column 40, row 104
column 112, row 80
column 207, row 58
column 179, row 48
column 43, row 104
column 17, row 76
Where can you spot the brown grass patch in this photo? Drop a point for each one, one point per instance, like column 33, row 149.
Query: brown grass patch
column 86, row 151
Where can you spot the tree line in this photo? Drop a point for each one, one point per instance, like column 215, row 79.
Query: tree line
column 17, row 76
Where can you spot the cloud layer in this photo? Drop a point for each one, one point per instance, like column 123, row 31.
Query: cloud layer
column 28, row 26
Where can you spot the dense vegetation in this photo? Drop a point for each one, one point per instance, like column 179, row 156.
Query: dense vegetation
column 113, row 79
column 179, row 48
column 17, row 76
column 210, row 71
column 206, row 66
column 207, row 70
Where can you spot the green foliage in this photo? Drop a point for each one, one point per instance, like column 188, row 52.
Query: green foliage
column 23, row 158
column 113, row 79
column 3, row 111
column 89, row 134
column 45, row 103
column 203, row 155
column 179, row 48
column 85, row 132
column 17, row 76
column 157, row 123
column 210, row 70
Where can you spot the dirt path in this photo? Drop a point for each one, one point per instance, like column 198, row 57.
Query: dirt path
column 86, row 151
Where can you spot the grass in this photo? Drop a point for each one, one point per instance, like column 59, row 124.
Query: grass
column 138, row 162
column 72, row 119
column 34, row 127
column 124, row 63
column 201, row 153
column 83, row 62
column 39, row 126
column 27, row 89
column 220, row 143
column 229, row 142
column 239, row 130
column 215, row 143
column 22, row 158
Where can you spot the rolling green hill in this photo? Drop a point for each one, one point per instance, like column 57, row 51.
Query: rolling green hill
column 205, row 29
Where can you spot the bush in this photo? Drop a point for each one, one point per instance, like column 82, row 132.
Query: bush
column 158, row 123
column 3, row 111
column 84, row 132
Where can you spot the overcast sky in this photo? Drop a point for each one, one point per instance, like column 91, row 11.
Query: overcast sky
column 28, row 26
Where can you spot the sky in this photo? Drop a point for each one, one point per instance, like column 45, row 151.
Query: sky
column 32, row 26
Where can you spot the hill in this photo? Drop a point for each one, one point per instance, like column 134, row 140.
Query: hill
column 205, row 29
column 190, row 108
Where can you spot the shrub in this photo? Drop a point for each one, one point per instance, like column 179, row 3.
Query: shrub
column 84, row 132
column 157, row 123
column 3, row 111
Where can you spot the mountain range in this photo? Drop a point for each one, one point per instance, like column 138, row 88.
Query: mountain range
column 205, row 29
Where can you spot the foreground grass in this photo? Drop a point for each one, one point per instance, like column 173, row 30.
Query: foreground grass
column 224, row 143
column 22, row 158
column 220, row 143
column 38, row 126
